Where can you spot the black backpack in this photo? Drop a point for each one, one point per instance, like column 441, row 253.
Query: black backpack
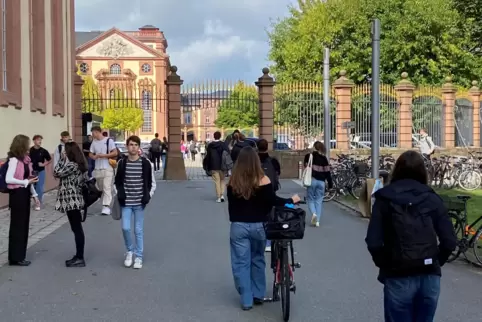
column 270, row 172
column 414, row 244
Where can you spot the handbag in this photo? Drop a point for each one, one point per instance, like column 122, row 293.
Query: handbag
column 286, row 224
column 116, row 211
column 306, row 177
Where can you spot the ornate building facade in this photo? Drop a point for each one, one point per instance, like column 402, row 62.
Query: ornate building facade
column 37, row 68
column 136, row 62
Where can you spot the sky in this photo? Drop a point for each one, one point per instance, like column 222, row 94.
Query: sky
column 207, row 39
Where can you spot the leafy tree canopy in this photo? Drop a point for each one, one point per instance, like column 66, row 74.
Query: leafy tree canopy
column 240, row 109
column 423, row 38
column 122, row 113
column 91, row 102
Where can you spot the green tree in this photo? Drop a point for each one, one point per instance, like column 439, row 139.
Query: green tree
column 471, row 12
column 91, row 101
column 422, row 38
column 122, row 113
column 240, row 109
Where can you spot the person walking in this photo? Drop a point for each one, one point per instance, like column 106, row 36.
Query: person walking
column 251, row 199
column 214, row 163
column 19, row 180
column 410, row 237
column 320, row 176
column 72, row 171
column 164, row 150
column 239, row 143
column 271, row 168
column 193, row 150
column 202, row 150
column 427, row 147
column 156, row 150
column 102, row 150
column 40, row 158
column 64, row 138
column 135, row 183
column 86, row 149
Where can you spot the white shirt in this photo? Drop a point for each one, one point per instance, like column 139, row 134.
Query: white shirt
column 57, row 154
column 100, row 147
column 10, row 179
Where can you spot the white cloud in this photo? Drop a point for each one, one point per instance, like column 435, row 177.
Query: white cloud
column 207, row 39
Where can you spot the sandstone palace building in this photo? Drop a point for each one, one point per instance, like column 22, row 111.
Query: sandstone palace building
column 134, row 60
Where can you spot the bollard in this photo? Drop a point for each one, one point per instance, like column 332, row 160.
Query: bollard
column 300, row 170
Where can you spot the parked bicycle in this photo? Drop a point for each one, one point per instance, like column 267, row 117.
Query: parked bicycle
column 289, row 225
column 469, row 235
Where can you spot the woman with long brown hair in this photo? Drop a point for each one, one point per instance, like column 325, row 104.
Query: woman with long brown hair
column 20, row 179
column 72, row 171
column 251, row 198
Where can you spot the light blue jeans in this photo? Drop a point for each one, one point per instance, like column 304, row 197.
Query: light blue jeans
column 40, row 185
column 314, row 197
column 163, row 159
column 248, row 241
column 138, row 213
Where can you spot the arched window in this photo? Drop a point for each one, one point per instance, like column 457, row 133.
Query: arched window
column 147, row 110
column 115, row 69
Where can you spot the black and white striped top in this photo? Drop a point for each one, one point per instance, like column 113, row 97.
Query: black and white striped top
column 133, row 182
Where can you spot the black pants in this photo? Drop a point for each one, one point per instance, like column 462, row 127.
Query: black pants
column 75, row 220
column 156, row 159
column 19, row 202
column 193, row 155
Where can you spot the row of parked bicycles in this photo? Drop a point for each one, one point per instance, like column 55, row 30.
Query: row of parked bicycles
column 445, row 172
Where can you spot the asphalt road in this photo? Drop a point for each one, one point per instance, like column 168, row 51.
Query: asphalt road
column 187, row 273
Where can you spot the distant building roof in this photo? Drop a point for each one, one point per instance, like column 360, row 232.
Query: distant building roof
column 81, row 37
column 148, row 27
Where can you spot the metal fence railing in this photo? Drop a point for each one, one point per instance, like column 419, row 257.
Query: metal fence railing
column 299, row 115
column 361, row 115
column 464, row 122
column 427, row 113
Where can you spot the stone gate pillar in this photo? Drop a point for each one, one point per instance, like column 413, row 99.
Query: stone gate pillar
column 404, row 90
column 175, row 169
column 343, row 87
column 474, row 93
column 448, row 99
column 266, row 107
column 76, row 131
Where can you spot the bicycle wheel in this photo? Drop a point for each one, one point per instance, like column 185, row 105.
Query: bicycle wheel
column 470, row 180
column 329, row 195
column 285, row 284
column 357, row 187
column 459, row 232
column 477, row 246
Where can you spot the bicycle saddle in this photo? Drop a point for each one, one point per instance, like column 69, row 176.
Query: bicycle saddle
column 463, row 197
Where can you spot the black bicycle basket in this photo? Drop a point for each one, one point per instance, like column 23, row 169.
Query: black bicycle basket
column 286, row 223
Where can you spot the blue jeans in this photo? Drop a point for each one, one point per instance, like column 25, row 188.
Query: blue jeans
column 248, row 241
column 412, row 298
column 91, row 163
column 40, row 185
column 138, row 213
column 314, row 197
column 163, row 159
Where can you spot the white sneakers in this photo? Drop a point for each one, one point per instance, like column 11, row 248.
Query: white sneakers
column 137, row 263
column 105, row 210
column 128, row 261
column 314, row 221
column 220, row 199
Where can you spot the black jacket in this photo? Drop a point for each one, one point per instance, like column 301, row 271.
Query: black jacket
column 379, row 234
column 237, row 148
column 214, row 156
column 146, row 176
column 274, row 161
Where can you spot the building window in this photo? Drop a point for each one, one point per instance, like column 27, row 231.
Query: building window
column 115, row 69
column 84, row 68
column 4, row 44
column 146, row 68
column 147, row 110
column 208, row 136
column 208, row 121
column 187, row 118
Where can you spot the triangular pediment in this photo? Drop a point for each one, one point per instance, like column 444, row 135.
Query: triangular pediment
column 114, row 44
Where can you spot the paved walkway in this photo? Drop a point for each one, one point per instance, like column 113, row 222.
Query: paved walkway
column 187, row 274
